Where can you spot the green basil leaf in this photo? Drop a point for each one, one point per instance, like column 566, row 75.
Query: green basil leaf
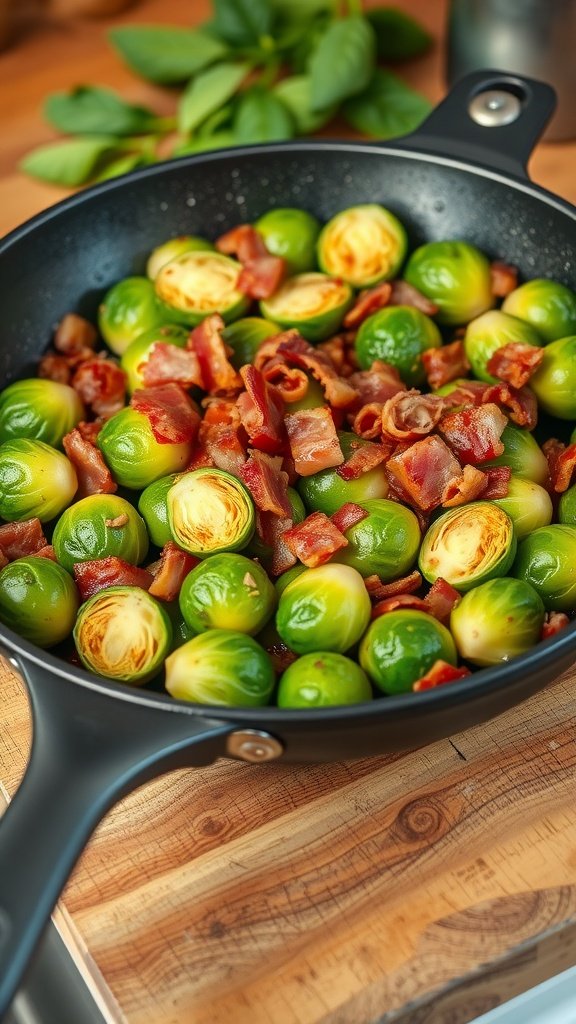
column 219, row 120
column 262, row 117
column 166, row 55
column 220, row 140
column 90, row 110
column 242, row 22
column 387, row 107
column 207, row 92
column 398, row 36
column 295, row 93
column 343, row 61
column 71, row 162
column 124, row 164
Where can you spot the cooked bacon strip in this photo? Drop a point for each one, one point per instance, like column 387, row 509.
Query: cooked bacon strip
column 348, row 515
column 261, row 411
column 561, row 463
column 262, row 273
column 89, row 431
column 75, row 336
column 369, row 301
column 3, row 559
column 20, row 539
column 381, row 382
column 520, row 403
column 109, row 572
column 474, row 432
column 423, row 471
column 445, row 364
column 405, row 585
column 174, row 567
column 223, row 446
column 280, row 655
column 267, row 483
column 498, row 478
column 313, row 440
column 467, row 487
column 441, row 599
column 170, row 412
column 221, row 411
column 216, row 370
column 553, row 623
column 515, row 363
column 47, row 552
column 298, row 352
column 503, row 279
column 467, row 392
column 101, row 385
column 315, row 540
column 243, row 241
column 271, row 529
column 392, row 604
column 55, row 367
column 291, row 383
column 440, row 672
column 340, row 353
column 268, row 350
column 367, row 422
column 93, row 474
column 410, row 415
column 201, row 459
column 168, row 364
column 404, row 294
column 363, row 458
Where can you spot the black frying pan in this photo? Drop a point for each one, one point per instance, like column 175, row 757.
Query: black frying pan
column 94, row 740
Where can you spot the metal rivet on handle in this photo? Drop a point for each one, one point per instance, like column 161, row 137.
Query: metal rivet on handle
column 253, row 745
column 495, row 108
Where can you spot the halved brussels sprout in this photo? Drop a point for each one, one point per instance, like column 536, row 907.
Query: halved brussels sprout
column 292, row 234
column 496, row 621
column 324, row 609
column 323, row 679
column 554, row 382
column 133, row 454
column 567, row 507
column 98, row 526
column 139, row 351
column 314, row 303
column 35, row 481
column 326, row 491
column 210, row 511
column 123, row 633
column 167, row 251
column 528, row 504
column 491, row 331
column 40, row 410
column 547, row 561
column 548, row 305
column 153, row 507
column 38, row 600
column 385, row 543
column 455, row 276
column 399, row 647
column 196, row 284
column 128, row 309
column 362, row 245
column 522, row 454
column 468, row 545
column 398, row 335
column 227, row 591
column 221, row 667
column 246, row 336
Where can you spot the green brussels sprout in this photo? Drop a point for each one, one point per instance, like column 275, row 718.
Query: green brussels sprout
column 133, row 454
column 40, row 410
column 386, row 542
column 324, row 609
column 246, row 336
column 162, row 254
column 291, row 234
column 528, row 504
column 181, row 631
column 210, row 511
column 491, row 331
column 323, row 679
column 399, row 647
column 522, row 454
column 547, row 561
column 567, row 507
column 314, row 303
column 227, row 591
column 38, row 600
column 196, row 284
column 496, row 621
column 554, row 382
column 98, row 526
column 35, row 481
column 139, row 351
column 455, row 276
column 221, row 667
column 287, row 577
column 123, row 633
column 326, row 491
column 128, row 309
column 153, row 507
column 398, row 335
column 468, row 545
column 550, row 307
column 362, row 245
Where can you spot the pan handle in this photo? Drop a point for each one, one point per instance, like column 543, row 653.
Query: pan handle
column 489, row 118
column 87, row 752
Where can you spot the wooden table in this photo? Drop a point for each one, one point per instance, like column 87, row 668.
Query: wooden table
column 428, row 887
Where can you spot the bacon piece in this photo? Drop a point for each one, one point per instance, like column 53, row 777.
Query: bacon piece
column 262, row 273
column 217, row 372
column 174, row 567
column 101, row 573
column 364, row 457
column 340, row 353
column 170, row 412
column 405, row 585
column 221, row 411
column 348, row 515
column 464, row 488
column 520, row 403
column 267, row 483
column 280, row 655
column 20, row 539
column 223, row 447
column 474, row 432
column 445, row 364
column 93, row 474
column 243, row 241
column 441, row 599
column 404, row 294
column 47, row 552
column 498, row 478
column 290, row 383
column 440, row 672
column 367, row 422
column 54, row 367
column 410, row 415
column 423, row 471
column 381, row 382
column 89, row 431
column 268, row 350
column 75, row 336
column 297, row 352
column 271, row 529
column 397, row 601
column 561, row 463
column 503, row 279
column 369, row 301
column 315, row 540
column 168, row 364
column 101, row 385
column 467, row 392
column 261, row 411
column 313, row 440
column 553, row 623
column 3, row 559
column 515, row 363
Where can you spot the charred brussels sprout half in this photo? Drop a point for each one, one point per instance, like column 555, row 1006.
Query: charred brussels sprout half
column 98, row 526
column 567, row 507
column 196, row 284
column 528, row 504
column 399, row 648
column 123, row 633
column 386, row 542
column 326, row 491
column 547, row 561
column 35, row 481
column 363, row 245
column 324, row 609
column 135, row 357
column 174, row 247
column 38, row 600
column 313, row 303
column 554, row 382
column 522, row 454
column 398, row 335
column 468, row 545
column 550, row 307
column 291, row 234
column 227, row 591
column 489, row 332
column 133, row 454
column 221, row 667
column 40, row 410
column 455, row 276
column 128, row 309
column 323, row 679
column 210, row 511
column 153, row 507
column 245, row 337
column 496, row 621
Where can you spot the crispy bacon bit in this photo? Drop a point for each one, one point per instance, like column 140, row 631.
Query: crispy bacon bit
column 109, row 572
column 267, row 483
column 440, row 672
column 423, row 471
column 117, row 522
column 291, row 383
column 168, row 364
column 340, row 353
column 498, row 478
column 90, row 431
column 3, row 559
column 381, row 382
column 367, row 422
column 297, row 352
column 261, row 411
column 348, row 515
column 515, row 363
column 364, row 457
column 221, row 411
column 262, row 273
column 280, row 655
column 217, row 372
column 271, row 529
column 20, row 539
column 369, row 301
column 93, row 474
column 392, row 604
column 223, row 446
column 101, row 385
column 441, row 599
column 75, row 336
column 313, row 440
column 464, row 488
column 268, row 350
column 520, row 403
column 174, row 567
column 445, row 364
column 410, row 415
column 55, row 367
column 404, row 294
column 474, row 432
column 170, row 411
column 315, row 540
column 47, row 552
column 467, row 392
column 405, row 585
column 553, row 623
column 561, row 463
column 503, row 279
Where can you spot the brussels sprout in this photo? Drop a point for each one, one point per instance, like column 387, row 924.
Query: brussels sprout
column 133, row 454
column 38, row 409
column 139, row 351
column 98, row 526
column 491, row 331
column 326, row 491
column 363, row 245
column 221, row 667
column 227, row 591
column 38, row 600
column 153, row 507
column 287, row 577
column 123, row 633
column 468, row 545
column 324, row 609
column 35, row 480
column 128, row 309
column 246, row 336
column 162, row 254
column 323, row 679
column 398, row 335
column 314, row 303
column 548, row 305
column 522, row 454
column 455, row 276
column 566, row 507
column 399, row 647
column 292, row 234
column 528, row 504
column 210, row 511
column 196, row 284
column 547, row 561
column 386, row 542
column 496, row 621
column 554, row 382
column 181, row 631
column 257, row 548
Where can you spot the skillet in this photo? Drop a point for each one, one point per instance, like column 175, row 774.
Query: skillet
column 93, row 739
